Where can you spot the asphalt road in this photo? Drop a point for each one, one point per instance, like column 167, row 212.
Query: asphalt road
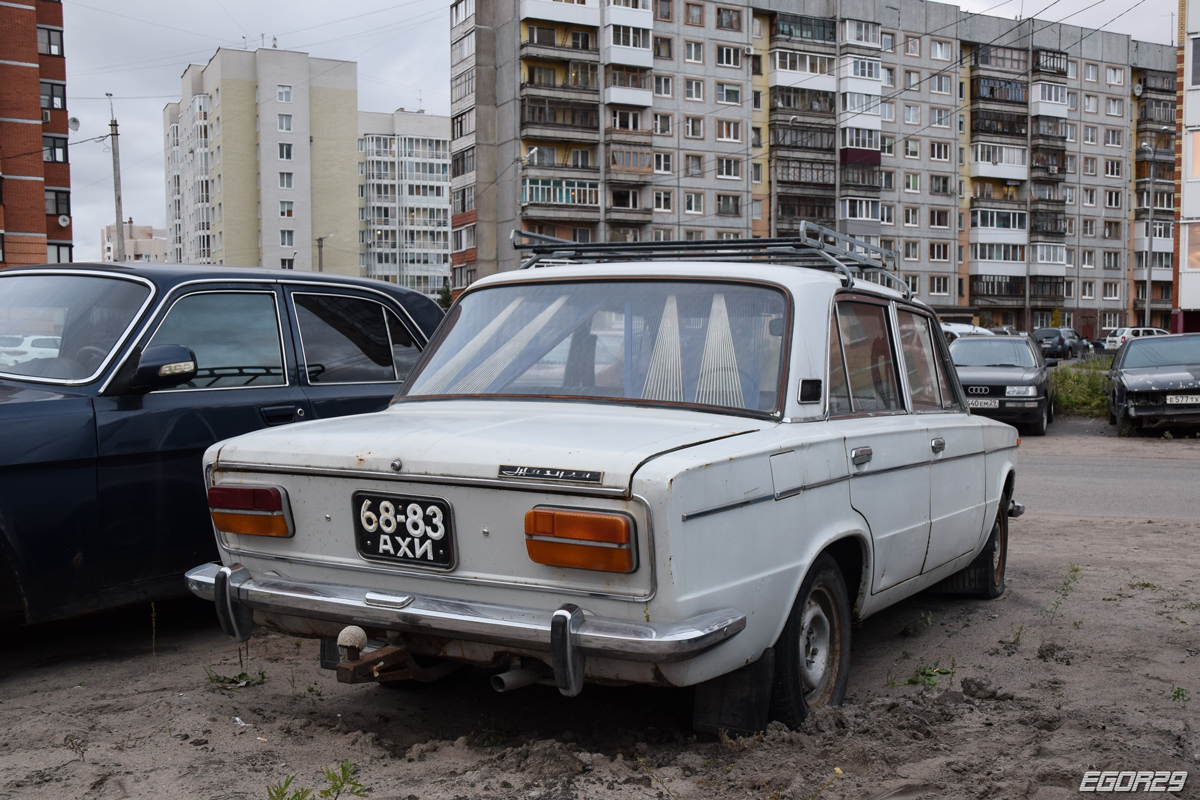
column 1081, row 468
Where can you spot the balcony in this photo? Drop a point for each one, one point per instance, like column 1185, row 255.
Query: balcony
column 559, row 51
column 1048, row 226
column 805, row 171
column 546, row 118
column 804, row 137
column 637, row 216
column 789, row 106
column 791, row 210
column 1045, row 290
column 999, row 90
column 997, row 289
column 1158, row 82
column 566, row 168
column 1012, row 203
column 1157, row 274
column 998, row 123
column 860, row 176
column 581, row 87
column 573, row 13
column 1050, row 62
column 629, row 164
column 1047, row 165
column 1156, row 304
column 1047, row 132
column 629, row 86
column 628, row 136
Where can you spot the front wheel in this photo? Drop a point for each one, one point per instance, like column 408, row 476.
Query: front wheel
column 812, row 656
column 1039, row 428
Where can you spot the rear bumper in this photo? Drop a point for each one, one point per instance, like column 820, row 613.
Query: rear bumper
column 525, row 628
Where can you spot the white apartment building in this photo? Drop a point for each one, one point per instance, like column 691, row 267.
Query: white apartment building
column 1186, row 312
column 260, row 154
column 404, row 198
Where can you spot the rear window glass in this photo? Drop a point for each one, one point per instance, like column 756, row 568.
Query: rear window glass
column 672, row 342
column 998, row 352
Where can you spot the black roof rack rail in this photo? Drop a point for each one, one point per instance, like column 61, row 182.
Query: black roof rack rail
column 814, row 246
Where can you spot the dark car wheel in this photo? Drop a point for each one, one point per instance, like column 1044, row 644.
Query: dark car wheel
column 812, row 655
column 1050, row 411
column 1039, row 427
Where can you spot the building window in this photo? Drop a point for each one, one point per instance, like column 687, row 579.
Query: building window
column 939, row 117
column 912, row 148
column 664, row 86
column 1088, row 290
column 284, row 123
column 728, row 56
column 626, row 198
column 663, row 200
column 285, row 151
column 912, row 114
column 729, row 130
column 693, row 127
column 912, row 182
column 663, row 163
column 49, row 42
column 912, row 251
column 662, row 124
column 729, row 168
column 729, row 94
column 287, row 238
column 912, row 216
column 939, row 284
column 664, row 47
column 729, row 205
column 58, row 203
column 939, row 151
column 756, row 172
column 693, row 202
column 912, row 79
column 887, row 214
column 1114, row 76
column 1112, row 168
column 286, row 208
column 1112, row 320
column 287, row 263
column 693, row 89
column 887, row 112
column 693, row 52
column 939, row 84
column 1114, row 106
column 54, row 95
column 285, row 180
column 939, row 251
column 283, row 93
column 1089, row 259
column 888, row 75
column 693, row 165
column 54, row 149
column 664, row 10
column 1089, row 168
column 941, row 51
column 627, row 36
column 693, row 14
column 939, row 218
column 912, row 46
column 1091, row 103
column 1112, row 290
column 1112, row 198
column 1114, row 137
column 729, row 19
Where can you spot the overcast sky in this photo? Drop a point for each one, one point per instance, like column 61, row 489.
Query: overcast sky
column 138, row 49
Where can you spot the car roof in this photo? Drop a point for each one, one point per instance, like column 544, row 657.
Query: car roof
column 794, row 278
column 422, row 309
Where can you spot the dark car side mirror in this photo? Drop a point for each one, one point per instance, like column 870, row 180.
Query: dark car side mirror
column 163, row 366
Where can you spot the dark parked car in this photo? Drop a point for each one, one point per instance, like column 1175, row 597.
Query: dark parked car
column 1061, row 342
column 1006, row 378
column 1155, row 381
column 102, row 497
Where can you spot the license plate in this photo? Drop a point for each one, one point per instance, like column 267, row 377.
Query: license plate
column 982, row 402
column 404, row 529
column 1182, row 399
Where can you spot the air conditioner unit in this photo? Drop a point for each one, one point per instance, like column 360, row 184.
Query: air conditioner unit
column 748, row 50
column 45, row 115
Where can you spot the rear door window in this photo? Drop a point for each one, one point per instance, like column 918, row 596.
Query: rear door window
column 351, row 340
column 920, row 361
column 870, row 367
column 235, row 336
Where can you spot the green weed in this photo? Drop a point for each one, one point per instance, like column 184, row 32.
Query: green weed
column 1060, row 594
column 925, row 675
column 1180, row 694
column 1080, row 388
column 341, row 781
column 239, row 681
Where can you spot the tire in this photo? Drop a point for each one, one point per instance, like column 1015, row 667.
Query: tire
column 812, row 655
column 984, row 577
column 1112, row 418
column 1039, row 427
column 1050, row 411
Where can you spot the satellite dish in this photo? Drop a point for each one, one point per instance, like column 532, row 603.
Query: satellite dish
column 63, row 220
column 73, row 123
column 1137, row 90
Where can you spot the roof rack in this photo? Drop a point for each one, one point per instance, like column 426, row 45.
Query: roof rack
column 814, row 246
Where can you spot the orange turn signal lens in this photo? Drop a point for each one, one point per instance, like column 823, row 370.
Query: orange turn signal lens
column 250, row 510
column 580, row 539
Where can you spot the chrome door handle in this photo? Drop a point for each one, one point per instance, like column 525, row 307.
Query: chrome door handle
column 938, row 445
column 860, row 456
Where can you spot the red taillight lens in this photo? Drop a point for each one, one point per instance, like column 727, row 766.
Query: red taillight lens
column 594, row 540
column 250, row 510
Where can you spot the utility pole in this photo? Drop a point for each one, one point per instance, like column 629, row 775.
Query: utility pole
column 119, row 252
column 1150, row 227
column 321, row 251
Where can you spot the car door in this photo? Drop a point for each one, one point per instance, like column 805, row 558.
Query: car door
column 154, row 520
column 887, row 449
column 956, row 448
column 354, row 349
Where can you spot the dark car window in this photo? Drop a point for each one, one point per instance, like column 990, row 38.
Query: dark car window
column 87, row 314
column 868, row 352
column 916, row 346
column 1162, row 351
column 235, row 336
column 1014, row 352
column 345, row 339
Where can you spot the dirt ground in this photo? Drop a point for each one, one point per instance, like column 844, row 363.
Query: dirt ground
column 1068, row 671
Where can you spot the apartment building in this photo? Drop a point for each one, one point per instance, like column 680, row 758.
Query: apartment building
column 1000, row 160
column 1186, row 307
column 404, row 198
column 260, row 157
column 35, row 172
column 142, row 242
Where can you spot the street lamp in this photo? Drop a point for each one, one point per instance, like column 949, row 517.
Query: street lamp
column 1150, row 148
column 321, row 251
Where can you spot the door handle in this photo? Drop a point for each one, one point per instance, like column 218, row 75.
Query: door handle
column 860, row 456
column 280, row 415
column 938, row 445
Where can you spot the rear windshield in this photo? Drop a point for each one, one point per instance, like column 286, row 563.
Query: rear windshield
column 1165, row 351
column 1046, row 333
column 695, row 343
column 994, row 352
column 63, row 326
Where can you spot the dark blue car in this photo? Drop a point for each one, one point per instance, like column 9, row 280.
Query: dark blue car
column 116, row 378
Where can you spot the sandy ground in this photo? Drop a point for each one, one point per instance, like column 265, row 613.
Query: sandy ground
column 1043, row 684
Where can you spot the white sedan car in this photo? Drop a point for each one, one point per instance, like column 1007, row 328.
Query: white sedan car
column 674, row 473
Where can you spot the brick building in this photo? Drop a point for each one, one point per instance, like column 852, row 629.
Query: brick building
column 35, row 175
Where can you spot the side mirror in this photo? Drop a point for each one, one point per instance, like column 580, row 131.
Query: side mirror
column 163, row 366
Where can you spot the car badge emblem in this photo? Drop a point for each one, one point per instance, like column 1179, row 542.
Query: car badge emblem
column 550, row 474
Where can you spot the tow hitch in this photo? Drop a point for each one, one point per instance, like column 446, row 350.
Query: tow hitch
column 359, row 665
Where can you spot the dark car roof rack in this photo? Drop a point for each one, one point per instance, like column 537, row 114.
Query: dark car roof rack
column 814, row 246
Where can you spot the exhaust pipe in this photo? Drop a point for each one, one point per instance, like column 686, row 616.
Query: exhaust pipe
column 520, row 677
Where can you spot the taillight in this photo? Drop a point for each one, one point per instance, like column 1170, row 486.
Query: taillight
column 1060, row 340
column 250, row 510
column 595, row 540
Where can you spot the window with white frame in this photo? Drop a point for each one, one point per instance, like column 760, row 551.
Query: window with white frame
column 729, row 168
column 859, row 103
column 693, row 89
column 1114, row 137
column 1112, row 259
column 285, row 180
column 729, row 130
column 939, row 284
column 287, row 237
column 729, row 56
column 888, row 77
column 1089, row 165
column 693, row 127
column 1089, row 259
column 858, row 32
column 662, row 124
column 912, row 148
column 939, row 218
column 939, row 151
column 1051, row 254
column 1113, row 168
column 941, row 51
column 912, row 114
column 912, row 182
column 912, row 251
column 912, row 45
column 887, row 111
column 1114, row 76
column 1052, row 93
column 860, row 138
column 1091, row 72
column 887, row 214
column 729, row 94
column 1112, row 290
column 1069, row 289
column 1068, row 130
column 663, row 200
column 865, row 68
column 913, row 282
column 939, row 117
column 939, row 84
column 1088, row 290
column 663, row 163
column 1091, row 103
column 939, row 251
column 283, row 93
column 664, row 86
column 693, row 52
column 627, row 36
column 285, row 151
column 1113, row 198
column 912, row 216
column 860, row 208
column 1112, row 320
column 1068, row 195
column 1114, row 106
column 286, row 208
column 284, row 122
column 912, row 79
column 693, row 202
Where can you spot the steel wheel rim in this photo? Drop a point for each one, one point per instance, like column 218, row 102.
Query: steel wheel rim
column 818, row 646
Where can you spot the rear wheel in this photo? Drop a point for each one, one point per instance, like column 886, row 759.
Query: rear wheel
column 984, row 577
column 812, row 656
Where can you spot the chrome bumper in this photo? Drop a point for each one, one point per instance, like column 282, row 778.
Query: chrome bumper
column 562, row 632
